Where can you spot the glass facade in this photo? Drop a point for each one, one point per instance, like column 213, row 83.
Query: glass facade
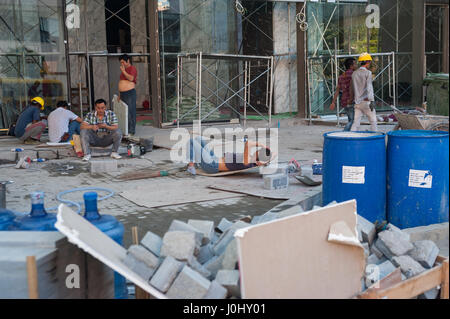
column 32, row 55
column 340, row 29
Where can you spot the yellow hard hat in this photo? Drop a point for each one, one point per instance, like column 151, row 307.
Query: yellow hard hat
column 40, row 101
column 365, row 57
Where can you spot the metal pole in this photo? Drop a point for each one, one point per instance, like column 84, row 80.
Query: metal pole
column 309, row 91
column 271, row 90
column 245, row 92
column 249, row 82
column 200, row 93
column 394, row 78
column 289, row 55
column 336, row 68
column 66, row 45
column 88, row 65
column 178, row 91
column 197, row 83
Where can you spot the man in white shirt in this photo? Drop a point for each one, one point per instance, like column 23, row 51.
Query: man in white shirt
column 62, row 124
column 363, row 93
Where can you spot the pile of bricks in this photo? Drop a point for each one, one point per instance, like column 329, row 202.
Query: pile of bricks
column 194, row 260
column 392, row 248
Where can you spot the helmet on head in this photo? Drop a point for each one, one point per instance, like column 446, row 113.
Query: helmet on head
column 40, row 101
column 365, row 57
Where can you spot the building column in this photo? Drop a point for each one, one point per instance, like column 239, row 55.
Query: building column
column 301, row 69
column 418, row 51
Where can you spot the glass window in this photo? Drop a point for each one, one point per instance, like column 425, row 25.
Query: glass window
column 32, row 55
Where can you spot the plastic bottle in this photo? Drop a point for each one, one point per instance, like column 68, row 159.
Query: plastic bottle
column 111, row 227
column 38, row 219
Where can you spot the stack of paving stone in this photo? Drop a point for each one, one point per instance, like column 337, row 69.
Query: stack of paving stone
column 392, row 248
column 193, row 260
column 53, row 255
column 187, row 104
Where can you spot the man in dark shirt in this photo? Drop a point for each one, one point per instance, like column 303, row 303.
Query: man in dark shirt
column 127, row 90
column 345, row 89
column 29, row 126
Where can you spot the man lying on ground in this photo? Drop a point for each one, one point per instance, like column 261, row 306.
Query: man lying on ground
column 199, row 152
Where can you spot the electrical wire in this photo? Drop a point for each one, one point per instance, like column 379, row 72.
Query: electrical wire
column 301, row 18
column 240, row 8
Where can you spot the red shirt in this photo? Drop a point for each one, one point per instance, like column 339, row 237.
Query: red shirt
column 345, row 80
column 131, row 70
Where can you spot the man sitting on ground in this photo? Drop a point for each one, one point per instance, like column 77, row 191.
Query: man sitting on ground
column 29, row 126
column 63, row 124
column 101, row 129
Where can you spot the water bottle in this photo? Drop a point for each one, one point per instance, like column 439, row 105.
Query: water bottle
column 111, row 227
column 38, row 219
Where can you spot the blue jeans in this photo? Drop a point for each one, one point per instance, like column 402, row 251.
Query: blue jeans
column 200, row 153
column 350, row 110
column 129, row 98
column 74, row 128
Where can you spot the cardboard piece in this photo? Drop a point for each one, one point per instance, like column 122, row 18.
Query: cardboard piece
column 121, row 111
column 291, row 258
column 82, row 233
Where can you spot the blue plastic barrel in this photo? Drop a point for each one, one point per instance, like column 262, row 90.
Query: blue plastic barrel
column 354, row 167
column 6, row 219
column 111, row 227
column 38, row 219
column 418, row 177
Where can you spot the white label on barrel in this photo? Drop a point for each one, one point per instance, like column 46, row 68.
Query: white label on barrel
column 353, row 175
column 420, row 179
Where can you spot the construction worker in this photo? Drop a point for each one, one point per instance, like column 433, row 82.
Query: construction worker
column 63, row 124
column 29, row 126
column 100, row 128
column 127, row 90
column 363, row 93
column 344, row 89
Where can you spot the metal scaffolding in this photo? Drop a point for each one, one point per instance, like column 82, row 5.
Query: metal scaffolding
column 199, row 59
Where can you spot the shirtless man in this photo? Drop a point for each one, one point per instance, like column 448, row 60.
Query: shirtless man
column 127, row 90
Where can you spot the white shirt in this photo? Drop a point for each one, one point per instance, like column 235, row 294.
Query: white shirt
column 58, row 123
column 362, row 85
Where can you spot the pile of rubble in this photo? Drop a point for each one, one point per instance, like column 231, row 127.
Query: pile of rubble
column 196, row 260
column 389, row 248
column 193, row 260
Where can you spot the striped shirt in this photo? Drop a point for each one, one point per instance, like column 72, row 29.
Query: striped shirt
column 109, row 119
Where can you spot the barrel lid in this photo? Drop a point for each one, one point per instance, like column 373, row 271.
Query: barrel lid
column 418, row 134
column 354, row 135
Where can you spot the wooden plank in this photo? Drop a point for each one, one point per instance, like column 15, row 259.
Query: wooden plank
column 445, row 284
column 414, row 286
column 33, row 292
column 139, row 292
column 390, row 280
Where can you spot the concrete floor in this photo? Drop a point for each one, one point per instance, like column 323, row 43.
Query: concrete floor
column 301, row 142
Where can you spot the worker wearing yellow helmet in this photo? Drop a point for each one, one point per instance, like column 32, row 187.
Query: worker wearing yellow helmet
column 364, row 94
column 29, row 126
column 40, row 101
